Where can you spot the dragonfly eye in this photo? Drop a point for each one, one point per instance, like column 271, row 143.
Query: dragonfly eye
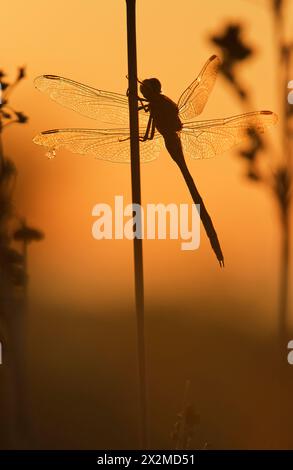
column 153, row 84
column 150, row 88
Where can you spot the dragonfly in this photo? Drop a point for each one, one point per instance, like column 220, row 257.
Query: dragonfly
column 161, row 121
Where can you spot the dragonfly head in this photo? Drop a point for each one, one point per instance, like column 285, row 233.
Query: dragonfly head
column 150, row 88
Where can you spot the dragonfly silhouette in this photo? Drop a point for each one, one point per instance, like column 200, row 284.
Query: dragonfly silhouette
column 159, row 118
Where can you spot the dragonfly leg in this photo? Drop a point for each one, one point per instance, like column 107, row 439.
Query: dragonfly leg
column 150, row 130
column 174, row 147
column 145, row 107
column 141, row 101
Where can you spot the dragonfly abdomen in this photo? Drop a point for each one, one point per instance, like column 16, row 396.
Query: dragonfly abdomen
column 174, row 147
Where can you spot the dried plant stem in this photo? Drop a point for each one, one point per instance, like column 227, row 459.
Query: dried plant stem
column 136, row 199
column 1, row 149
column 284, row 282
column 181, row 438
column 283, row 68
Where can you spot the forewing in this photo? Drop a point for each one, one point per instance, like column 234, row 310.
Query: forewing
column 193, row 100
column 109, row 144
column 205, row 139
column 108, row 107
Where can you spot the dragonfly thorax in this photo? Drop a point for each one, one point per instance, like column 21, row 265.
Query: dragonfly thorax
column 165, row 115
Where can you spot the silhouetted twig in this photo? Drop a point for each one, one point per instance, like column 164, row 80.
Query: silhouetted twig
column 13, row 273
column 277, row 177
column 187, row 420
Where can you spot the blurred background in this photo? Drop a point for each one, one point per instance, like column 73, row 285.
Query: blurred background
column 69, row 376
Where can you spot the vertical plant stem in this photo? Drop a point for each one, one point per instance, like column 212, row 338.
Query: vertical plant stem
column 182, row 433
column 283, row 78
column 1, row 149
column 284, row 283
column 136, row 199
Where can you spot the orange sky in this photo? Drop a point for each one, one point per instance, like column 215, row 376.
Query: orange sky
column 86, row 41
